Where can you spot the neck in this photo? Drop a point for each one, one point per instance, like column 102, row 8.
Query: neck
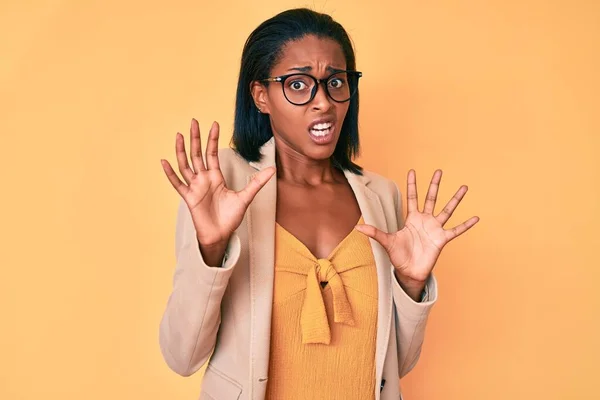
column 296, row 168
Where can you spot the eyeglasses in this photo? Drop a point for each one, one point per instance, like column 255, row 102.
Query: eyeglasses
column 300, row 89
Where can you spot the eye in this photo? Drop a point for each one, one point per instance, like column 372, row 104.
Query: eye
column 297, row 85
column 336, row 83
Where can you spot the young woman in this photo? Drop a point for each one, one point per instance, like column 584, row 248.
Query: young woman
column 297, row 276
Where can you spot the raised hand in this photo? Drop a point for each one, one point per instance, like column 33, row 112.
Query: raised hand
column 216, row 210
column 415, row 248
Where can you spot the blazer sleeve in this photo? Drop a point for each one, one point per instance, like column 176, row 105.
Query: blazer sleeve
column 189, row 325
column 410, row 316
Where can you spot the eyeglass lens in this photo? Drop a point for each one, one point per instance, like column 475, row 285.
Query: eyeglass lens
column 298, row 89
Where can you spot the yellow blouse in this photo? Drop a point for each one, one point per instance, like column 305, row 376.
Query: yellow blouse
column 323, row 339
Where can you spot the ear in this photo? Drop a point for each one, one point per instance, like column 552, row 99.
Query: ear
column 260, row 96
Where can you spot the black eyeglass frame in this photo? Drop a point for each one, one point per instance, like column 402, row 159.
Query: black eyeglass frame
column 283, row 78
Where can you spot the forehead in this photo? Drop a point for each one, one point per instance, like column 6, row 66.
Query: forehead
column 312, row 52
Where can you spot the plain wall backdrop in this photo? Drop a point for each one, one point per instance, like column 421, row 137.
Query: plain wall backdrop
column 501, row 95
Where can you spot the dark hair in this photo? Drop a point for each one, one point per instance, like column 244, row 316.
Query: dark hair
column 262, row 50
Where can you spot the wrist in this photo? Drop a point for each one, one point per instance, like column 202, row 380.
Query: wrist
column 213, row 253
column 412, row 287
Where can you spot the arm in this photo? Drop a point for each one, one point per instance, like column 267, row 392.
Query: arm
column 414, row 250
column 209, row 214
column 410, row 316
column 411, row 319
column 190, row 322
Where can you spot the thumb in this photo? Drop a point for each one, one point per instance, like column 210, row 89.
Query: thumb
column 384, row 239
column 256, row 183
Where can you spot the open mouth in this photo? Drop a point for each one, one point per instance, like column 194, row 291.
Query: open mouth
column 322, row 132
column 322, row 129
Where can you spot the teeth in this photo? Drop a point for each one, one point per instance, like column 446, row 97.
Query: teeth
column 321, row 126
column 320, row 133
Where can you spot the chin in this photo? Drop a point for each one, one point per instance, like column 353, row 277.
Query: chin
column 320, row 151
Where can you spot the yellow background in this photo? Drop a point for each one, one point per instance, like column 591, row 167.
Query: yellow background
column 502, row 95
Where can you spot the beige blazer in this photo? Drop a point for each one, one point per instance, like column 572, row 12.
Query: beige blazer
column 226, row 311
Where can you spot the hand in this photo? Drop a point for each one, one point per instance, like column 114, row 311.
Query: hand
column 216, row 211
column 415, row 248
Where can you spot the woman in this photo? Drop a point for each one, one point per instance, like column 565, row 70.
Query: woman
column 273, row 282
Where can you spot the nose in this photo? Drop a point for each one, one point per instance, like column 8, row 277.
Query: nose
column 321, row 102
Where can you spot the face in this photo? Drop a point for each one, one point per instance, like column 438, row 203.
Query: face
column 311, row 130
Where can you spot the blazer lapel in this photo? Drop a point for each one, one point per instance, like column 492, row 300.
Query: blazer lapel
column 373, row 214
column 261, row 234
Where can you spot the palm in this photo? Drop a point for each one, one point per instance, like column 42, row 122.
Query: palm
column 415, row 248
column 216, row 210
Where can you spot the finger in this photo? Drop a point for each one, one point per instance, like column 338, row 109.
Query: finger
column 179, row 186
column 182, row 161
column 447, row 212
column 256, row 183
column 460, row 229
column 384, row 239
column 432, row 192
column 196, row 147
column 212, row 148
column 412, row 203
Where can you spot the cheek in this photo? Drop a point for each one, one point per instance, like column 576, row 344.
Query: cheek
column 342, row 110
column 287, row 113
column 286, row 118
column 280, row 106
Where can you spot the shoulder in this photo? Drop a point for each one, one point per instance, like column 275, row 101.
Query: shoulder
column 381, row 184
column 235, row 168
column 229, row 157
column 388, row 196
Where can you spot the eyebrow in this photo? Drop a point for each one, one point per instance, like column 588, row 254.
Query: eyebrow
column 309, row 68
